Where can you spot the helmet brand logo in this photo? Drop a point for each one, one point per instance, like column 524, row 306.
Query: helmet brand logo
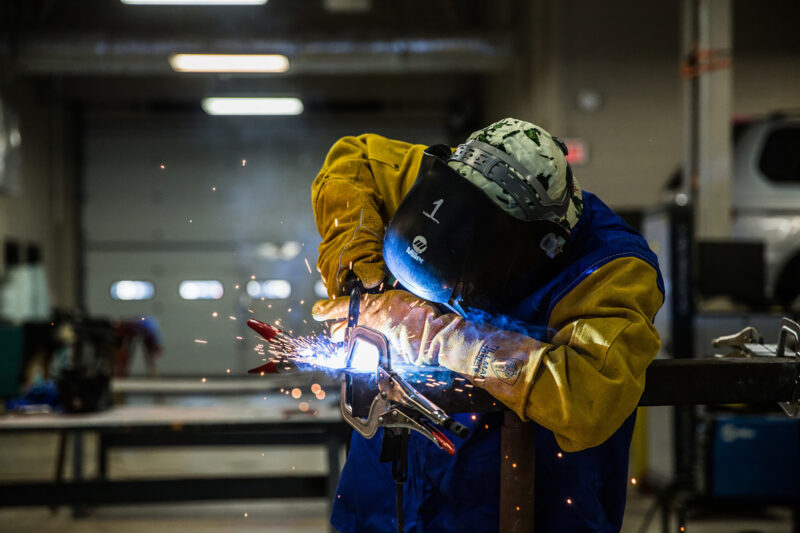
column 414, row 255
column 420, row 244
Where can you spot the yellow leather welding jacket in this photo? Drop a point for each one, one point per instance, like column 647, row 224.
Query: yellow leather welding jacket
column 583, row 376
column 357, row 191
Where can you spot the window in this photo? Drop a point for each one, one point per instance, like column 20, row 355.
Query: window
column 271, row 289
column 320, row 290
column 201, row 289
column 780, row 159
column 129, row 289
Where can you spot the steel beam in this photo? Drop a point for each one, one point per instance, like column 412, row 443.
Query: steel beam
column 705, row 381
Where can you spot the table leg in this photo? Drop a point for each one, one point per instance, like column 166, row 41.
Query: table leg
column 78, row 509
column 102, row 457
column 59, row 473
column 334, row 466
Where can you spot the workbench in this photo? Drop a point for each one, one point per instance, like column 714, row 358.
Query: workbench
column 277, row 423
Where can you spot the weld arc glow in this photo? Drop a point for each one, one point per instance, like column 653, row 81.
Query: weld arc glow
column 229, row 63
column 365, row 357
column 252, row 106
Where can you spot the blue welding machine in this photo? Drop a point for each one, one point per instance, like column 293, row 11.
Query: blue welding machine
column 754, row 456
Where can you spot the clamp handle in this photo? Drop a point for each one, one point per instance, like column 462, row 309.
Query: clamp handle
column 790, row 328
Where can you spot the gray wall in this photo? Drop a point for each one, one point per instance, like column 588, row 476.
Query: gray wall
column 136, row 221
column 629, row 53
column 43, row 212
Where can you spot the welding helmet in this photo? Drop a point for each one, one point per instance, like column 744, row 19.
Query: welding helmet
column 479, row 229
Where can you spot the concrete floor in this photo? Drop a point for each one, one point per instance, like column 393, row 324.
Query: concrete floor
column 32, row 456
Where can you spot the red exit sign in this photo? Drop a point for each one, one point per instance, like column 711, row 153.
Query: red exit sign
column 578, row 151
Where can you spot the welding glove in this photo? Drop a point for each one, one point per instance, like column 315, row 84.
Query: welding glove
column 582, row 383
column 354, row 195
column 407, row 322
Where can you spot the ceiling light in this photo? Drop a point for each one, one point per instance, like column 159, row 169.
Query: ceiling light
column 229, row 63
column 195, row 2
column 252, row 106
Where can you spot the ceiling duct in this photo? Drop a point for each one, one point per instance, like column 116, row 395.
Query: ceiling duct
column 100, row 56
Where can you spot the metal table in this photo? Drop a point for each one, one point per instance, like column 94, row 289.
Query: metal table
column 157, row 426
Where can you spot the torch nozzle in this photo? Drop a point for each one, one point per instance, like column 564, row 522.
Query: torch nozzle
column 459, row 429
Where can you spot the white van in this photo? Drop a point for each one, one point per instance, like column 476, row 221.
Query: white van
column 766, row 199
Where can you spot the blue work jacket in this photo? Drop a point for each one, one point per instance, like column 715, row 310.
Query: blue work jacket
column 579, row 491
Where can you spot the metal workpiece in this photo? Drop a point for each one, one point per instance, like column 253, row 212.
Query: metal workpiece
column 517, row 473
column 703, row 381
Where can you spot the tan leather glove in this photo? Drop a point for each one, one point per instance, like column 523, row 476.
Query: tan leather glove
column 409, row 323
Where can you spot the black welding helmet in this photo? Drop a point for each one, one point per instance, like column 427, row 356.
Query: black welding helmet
column 449, row 242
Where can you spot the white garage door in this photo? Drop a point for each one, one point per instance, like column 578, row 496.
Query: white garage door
column 209, row 199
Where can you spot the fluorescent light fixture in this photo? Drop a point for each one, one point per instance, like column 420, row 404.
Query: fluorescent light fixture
column 252, row 106
column 201, row 289
column 228, row 63
column 129, row 289
column 195, row 2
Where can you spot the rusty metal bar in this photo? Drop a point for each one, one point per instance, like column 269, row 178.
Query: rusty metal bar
column 517, row 447
column 704, row 381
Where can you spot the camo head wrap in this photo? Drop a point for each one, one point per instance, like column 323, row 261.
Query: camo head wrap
column 538, row 153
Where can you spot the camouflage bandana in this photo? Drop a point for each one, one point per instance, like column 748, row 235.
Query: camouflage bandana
column 535, row 149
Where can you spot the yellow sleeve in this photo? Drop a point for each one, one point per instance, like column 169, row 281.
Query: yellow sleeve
column 356, row 192
column 589, row 378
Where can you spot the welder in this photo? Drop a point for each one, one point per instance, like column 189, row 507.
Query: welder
column 501, row 268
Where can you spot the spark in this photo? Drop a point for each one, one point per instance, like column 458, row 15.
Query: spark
column 336, row 222
column 244, row 162
column 215, row 314
column 474, row 417
column 227, row 370
column 200, row 341
column 213, row 189
column 559, row 455
column 513, row 465
column 162, row 166
column 307, row 265
column 633, row 481
column 232, row 317
column 239, row 338
column 253, row 276
column 245, row 515
column 203, row 380
column 190, row 221
column 569, row 501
